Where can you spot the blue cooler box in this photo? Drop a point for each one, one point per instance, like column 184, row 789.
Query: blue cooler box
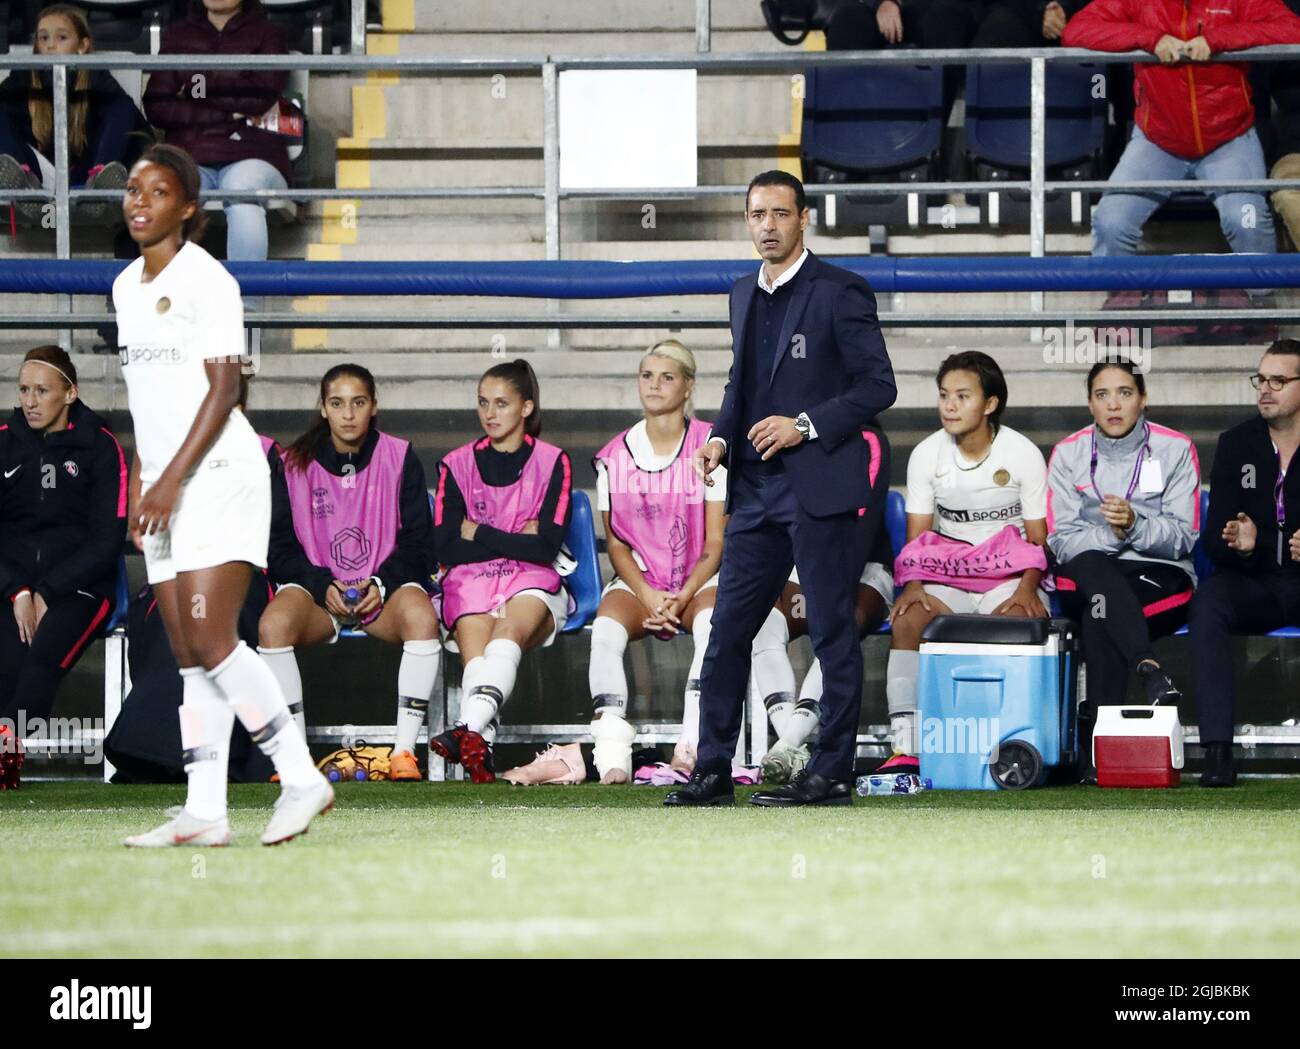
column 995, row 700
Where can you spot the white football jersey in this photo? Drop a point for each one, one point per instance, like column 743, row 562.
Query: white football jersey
column 189, row 313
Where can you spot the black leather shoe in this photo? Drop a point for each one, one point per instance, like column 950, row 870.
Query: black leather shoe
column 807, row 788
column 704, row 788
column 1218, row 771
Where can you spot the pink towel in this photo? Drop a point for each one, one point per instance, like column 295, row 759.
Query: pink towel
column 930, row 558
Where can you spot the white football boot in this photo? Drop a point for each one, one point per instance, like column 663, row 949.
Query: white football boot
column 183, row 829
column 295, row 808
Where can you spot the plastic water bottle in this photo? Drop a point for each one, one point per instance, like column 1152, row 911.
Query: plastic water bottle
column 350, row 598
column 898, row 783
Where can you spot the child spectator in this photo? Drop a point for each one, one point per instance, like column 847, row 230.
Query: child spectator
column 106, row 132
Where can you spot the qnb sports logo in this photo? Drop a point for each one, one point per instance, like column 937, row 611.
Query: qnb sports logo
column 1000, row 513
column 151, row 355
column 103, row 1003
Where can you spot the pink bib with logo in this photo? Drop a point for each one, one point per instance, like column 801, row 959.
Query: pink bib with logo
column 658, row 513
column 348, row 524
column 485, row 586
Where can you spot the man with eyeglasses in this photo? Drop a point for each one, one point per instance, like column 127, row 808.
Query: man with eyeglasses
column 1252, row 534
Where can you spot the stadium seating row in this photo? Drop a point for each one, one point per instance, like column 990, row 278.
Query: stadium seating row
column 311, row 26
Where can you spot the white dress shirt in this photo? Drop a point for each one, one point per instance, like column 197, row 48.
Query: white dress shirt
column 784, row 278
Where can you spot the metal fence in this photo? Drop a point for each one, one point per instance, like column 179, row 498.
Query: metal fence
column 549, row 67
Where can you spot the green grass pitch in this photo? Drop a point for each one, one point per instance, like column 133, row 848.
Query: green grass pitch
column 451, row 870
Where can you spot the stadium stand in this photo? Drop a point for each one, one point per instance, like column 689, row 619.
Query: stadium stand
column 998, row 139
column 117, row 25
column 395, row 130
column 872, row 124
column 314, row 27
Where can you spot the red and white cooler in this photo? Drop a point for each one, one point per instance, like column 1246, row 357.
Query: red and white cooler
column 1137, row 747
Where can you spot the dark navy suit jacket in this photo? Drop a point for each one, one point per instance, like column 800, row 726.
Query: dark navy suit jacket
column 831, row 363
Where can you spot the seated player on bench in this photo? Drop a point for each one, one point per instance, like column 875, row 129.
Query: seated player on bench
column 976, row 495
column 350, row 542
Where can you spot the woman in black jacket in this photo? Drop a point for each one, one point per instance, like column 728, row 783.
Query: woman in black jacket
column 63, row 495
column 106, row 130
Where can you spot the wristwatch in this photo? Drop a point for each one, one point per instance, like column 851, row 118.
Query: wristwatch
column 803, row 424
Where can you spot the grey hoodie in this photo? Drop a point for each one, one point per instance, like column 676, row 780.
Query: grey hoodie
column 1168, row 520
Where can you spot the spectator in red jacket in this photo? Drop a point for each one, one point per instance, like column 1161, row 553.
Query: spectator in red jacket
column 210, row 115
column 1194, row 117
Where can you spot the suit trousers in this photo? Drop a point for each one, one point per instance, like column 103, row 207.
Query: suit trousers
column 767, row 533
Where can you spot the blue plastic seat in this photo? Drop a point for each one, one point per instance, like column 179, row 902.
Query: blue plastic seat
column 584, row 582
column 998, row 139
column 871, row 124
column 896, row 521
column 998, row 116
column 865, row 118
column 121, row 599
column 1205, row 568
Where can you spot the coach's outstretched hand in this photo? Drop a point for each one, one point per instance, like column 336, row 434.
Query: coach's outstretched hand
column 706, row 459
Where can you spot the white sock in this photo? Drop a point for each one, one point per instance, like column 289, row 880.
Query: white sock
column 471, row 676
column 900, row 691
column 700, row 630
column 498, row 671
column 605, row 675
column 250, row 687
column 206, row 721
column 773, row 675
column 806, row 715
column 612, row 736
column 416, row 675
column 284, row 665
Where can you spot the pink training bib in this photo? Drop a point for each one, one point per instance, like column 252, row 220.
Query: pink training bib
column 349, row 524
column 475, row 589
column 658, row 513
column 932, row 558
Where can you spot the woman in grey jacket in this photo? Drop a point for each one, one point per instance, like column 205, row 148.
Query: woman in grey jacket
column 1123, row 512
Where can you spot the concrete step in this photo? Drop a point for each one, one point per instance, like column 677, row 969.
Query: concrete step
column 558, row 16
column 595, row 42
column 603, row 377
column 504, row 111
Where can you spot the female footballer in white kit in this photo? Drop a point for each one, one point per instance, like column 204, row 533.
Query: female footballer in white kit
column 200, row 501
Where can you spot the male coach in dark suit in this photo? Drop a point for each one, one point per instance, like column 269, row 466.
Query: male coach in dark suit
column 809, row 371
